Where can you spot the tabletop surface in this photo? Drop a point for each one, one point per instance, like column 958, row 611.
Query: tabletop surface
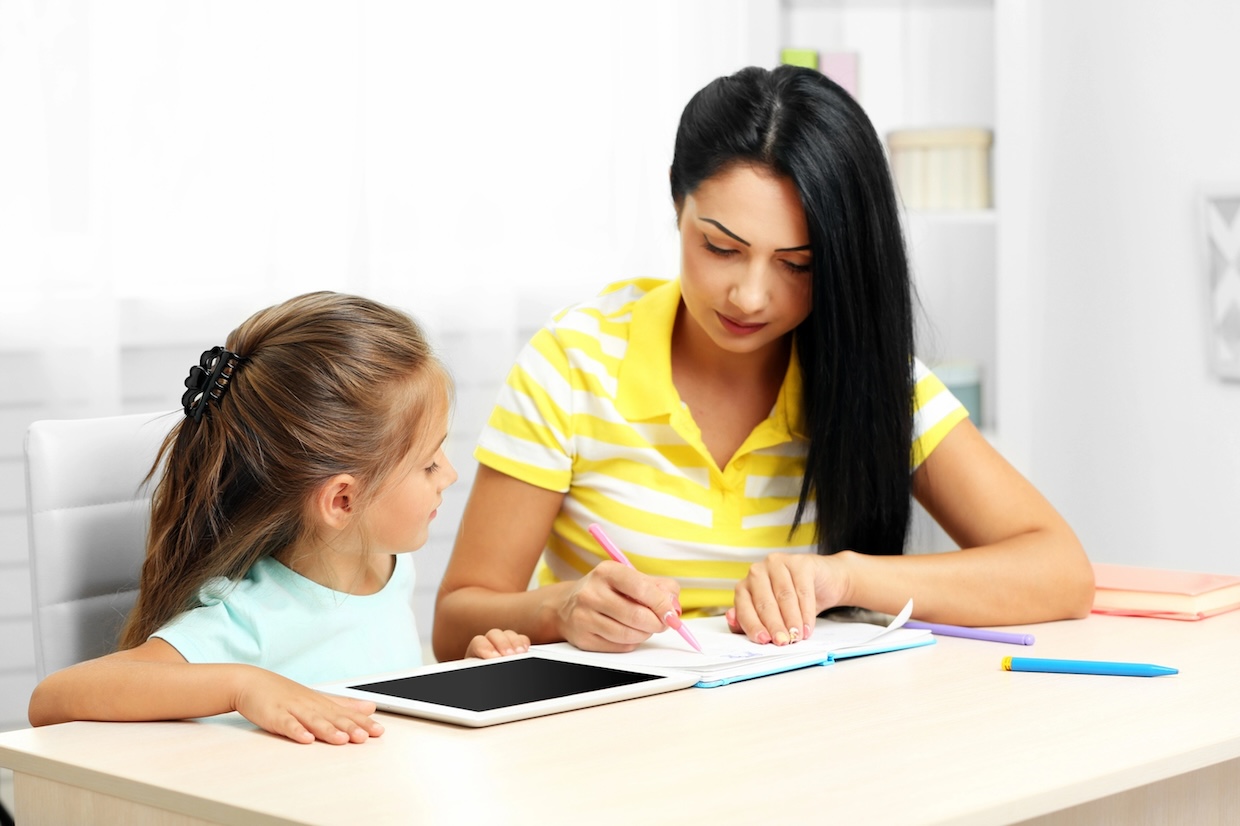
column 939, row 734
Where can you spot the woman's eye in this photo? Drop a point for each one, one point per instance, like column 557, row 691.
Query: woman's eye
column 434, row 467
column 795, row 267
column 720, row 251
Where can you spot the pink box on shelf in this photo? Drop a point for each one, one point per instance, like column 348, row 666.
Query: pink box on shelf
column 840, row 67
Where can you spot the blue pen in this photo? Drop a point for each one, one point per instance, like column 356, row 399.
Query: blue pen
column 1086, row 667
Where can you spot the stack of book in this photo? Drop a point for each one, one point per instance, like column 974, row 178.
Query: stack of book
column 1133, row 591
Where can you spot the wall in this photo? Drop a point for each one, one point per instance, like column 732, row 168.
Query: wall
column 1128, row 433
column 1132, row 437
column 167, row 169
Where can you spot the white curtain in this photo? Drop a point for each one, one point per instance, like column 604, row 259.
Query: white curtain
column 168, row 168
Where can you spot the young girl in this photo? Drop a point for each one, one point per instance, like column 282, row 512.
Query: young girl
column 309, row 462
column 750, row 434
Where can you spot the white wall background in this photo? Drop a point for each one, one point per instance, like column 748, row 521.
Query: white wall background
column 168, row 168
column 1136, row 112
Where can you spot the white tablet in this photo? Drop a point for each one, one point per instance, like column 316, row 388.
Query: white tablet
column 485, row 692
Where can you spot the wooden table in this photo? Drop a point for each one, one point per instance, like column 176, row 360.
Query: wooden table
column 938, row 734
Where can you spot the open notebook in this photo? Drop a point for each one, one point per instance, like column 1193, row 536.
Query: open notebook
column 729, row 658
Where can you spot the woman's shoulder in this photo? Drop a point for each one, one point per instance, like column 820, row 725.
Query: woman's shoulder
column 614, row 300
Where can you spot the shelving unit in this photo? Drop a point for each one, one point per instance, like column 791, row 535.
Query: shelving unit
column 946, row 64
column 929, row 64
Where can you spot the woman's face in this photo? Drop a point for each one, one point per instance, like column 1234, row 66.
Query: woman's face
column 745, row 258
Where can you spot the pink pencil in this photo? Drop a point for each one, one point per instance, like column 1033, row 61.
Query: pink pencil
column 671, row 617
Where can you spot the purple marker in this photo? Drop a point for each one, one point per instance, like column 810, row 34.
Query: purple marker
column 972, row 633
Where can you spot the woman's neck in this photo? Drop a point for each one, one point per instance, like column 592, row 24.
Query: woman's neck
column 727, row 394
column 693, row 351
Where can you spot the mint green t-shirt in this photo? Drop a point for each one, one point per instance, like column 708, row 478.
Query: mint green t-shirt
column 279, row 620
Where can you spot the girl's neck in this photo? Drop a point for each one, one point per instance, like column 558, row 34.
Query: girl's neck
column 357, row 573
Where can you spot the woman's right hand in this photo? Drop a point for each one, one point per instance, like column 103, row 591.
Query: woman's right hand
column 616, row 608
column 282, row 706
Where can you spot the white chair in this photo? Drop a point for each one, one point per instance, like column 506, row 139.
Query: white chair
column 87, row 512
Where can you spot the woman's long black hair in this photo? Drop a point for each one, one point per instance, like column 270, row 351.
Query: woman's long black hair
column 856, row 346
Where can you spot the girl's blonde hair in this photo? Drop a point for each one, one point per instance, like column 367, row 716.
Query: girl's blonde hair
column 329, row 384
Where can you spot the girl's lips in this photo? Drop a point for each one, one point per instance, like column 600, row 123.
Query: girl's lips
column 738, row 328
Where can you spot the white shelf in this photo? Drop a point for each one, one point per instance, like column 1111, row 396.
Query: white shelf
column 928, row 64
column 980, row 217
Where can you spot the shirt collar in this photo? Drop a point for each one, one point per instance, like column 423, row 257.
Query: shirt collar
column 790, row 405
column 644, row 388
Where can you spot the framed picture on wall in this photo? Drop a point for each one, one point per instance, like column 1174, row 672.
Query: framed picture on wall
column 1222, row 228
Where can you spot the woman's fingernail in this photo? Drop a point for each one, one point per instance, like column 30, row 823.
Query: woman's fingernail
column 672, row 620
column 805, row 634
column 781, row 638
column 794, row 634
column 763, row 638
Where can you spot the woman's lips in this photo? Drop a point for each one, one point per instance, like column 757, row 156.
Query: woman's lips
column 738, row 328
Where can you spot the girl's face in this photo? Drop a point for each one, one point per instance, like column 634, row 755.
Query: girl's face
column 399, row 518
column 745, row 258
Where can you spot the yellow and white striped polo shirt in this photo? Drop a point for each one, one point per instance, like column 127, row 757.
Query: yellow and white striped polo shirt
column 589, row 409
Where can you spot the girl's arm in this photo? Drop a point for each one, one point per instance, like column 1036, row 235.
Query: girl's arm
column 1020, row 562
column 154, row 682
column 502, row 534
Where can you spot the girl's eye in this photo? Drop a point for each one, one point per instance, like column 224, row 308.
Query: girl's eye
column 432, row 469
column 720, row 251
column 795, row 267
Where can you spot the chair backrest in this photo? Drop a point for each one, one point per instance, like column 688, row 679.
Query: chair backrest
column 87, row 516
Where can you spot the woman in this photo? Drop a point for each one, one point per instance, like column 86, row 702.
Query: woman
column 724, row 426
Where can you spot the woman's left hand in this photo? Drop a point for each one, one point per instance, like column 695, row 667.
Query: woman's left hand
column 497, row 643
column 780, row 598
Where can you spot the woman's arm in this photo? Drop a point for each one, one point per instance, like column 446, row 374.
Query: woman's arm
column 154, row 682
column 502, row 534
column 1020, row 562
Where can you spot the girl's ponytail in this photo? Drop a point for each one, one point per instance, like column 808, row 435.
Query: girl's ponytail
column 319, row 385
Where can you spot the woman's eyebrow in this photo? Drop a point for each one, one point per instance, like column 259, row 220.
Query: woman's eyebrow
column 733, row 235
column 725, row 230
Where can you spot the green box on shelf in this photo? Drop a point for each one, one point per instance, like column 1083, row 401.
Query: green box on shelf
column 799, row 57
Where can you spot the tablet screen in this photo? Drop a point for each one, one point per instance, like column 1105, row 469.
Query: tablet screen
column 504, row 683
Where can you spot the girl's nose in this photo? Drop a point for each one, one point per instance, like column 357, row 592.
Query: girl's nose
column 449, row 474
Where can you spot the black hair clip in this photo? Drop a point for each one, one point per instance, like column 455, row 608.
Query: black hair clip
column 208, row 380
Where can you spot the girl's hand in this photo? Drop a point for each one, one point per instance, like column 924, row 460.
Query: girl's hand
column 615, row 608
column 281, row 706
column 779, row 600
column 497, row 643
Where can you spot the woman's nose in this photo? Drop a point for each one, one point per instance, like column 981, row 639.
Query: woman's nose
column 751, row 293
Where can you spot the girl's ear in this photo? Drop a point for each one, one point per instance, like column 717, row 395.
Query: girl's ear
column 335, row 501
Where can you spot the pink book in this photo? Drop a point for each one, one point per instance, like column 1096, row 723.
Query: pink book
column 1135, row 591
